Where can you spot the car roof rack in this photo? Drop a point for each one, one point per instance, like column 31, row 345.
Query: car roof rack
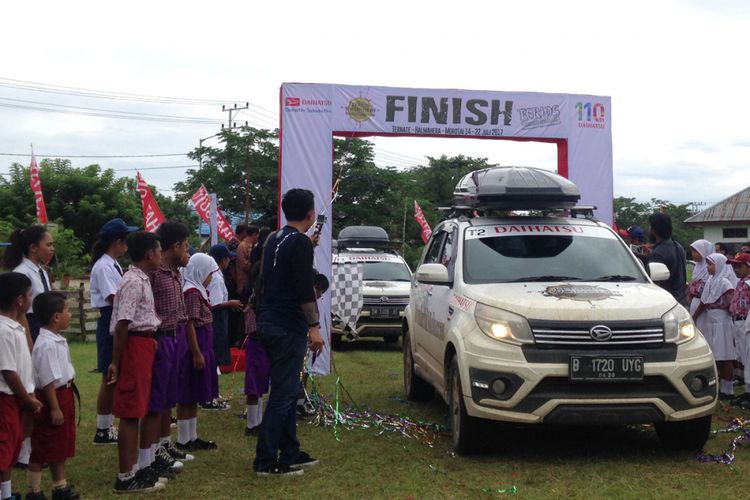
column 515, row 188
column 363, row 237
column 587, row 211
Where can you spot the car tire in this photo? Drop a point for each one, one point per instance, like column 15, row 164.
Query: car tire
column 466, row 431
column 391, row 339
column 415, row 387
column 686, row 435
column 336, row 341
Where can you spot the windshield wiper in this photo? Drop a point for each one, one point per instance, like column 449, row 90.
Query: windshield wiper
column 546, row 278
column 616, row 277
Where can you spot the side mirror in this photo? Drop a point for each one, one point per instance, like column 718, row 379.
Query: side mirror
column 433, row 274
column 658, row 271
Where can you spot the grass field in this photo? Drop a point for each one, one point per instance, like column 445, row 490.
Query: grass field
column 542, row 462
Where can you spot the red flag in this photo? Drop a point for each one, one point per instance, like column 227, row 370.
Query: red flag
column 202, row 203
column 419, row 217
column 36, row 188
column 152, row 216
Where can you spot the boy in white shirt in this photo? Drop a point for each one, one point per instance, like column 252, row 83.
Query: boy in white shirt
column 16, row 379
column 54, row 438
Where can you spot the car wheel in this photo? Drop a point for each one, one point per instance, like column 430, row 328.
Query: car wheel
column 391, row 339
column 687, row 435
column 336, row 341
column 466, row 431
column 415, row 387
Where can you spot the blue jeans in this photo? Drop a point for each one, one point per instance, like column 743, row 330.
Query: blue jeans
column 277, row 439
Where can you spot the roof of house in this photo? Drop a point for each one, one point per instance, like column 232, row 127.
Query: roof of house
column 735, row 208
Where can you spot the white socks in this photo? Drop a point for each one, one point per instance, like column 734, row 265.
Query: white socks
column 726, row 386
column 104, row 421
column 25, row 454
column 255, row 414
column 193, row 428
column 183, row 431
column 5, row 489
column 165, row 441
column 144, row 458
column 126, row 476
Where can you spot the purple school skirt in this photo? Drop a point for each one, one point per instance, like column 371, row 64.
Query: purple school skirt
column 199, row 386
column 257, row 368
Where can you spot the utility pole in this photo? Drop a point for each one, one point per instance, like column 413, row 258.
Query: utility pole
column 232, row 110
column 247, row 185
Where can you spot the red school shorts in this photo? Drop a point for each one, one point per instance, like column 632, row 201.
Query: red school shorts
column 11, row 430
column 50, row 442
column 133, row 388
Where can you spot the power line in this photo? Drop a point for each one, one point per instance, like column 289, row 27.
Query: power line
column 96, row 156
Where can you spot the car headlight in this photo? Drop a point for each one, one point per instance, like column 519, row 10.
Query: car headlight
column 502, row 325
column 678, row 325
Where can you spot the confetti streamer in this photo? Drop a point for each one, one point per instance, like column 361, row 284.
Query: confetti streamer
column 512, row 490
column 741, row 425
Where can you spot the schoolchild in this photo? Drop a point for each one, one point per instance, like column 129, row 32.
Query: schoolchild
column 134, row 325
column 198, row 379
column 30, row 250
column 156, row 448
column 53, row 440
column 739, row 308
column 713, row 320
column 16, row 374
column 700, row 249
column 106, row 275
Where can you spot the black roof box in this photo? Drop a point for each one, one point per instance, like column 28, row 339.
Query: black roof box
column 363, row 237
column 515, row 188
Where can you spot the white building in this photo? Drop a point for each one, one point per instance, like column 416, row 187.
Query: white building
column 727, row 221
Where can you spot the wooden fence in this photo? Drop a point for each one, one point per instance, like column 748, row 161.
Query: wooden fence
column 83, row 316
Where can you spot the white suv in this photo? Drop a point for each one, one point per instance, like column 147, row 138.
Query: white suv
column 552, row 319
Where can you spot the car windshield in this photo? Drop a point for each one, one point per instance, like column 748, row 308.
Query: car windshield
column 531, row 252
column 385, row 271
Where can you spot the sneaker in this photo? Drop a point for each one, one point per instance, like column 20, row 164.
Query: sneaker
column 200, row 444
column 278, row 470
column 177, row 454
column 304, row 460
column 66, row 493
column 216, row 404
column 725, row 397
column 185, row 447
column 740, row 399
column 104, row 437
column 152, row 475
column 163, row 455
column 39, row 495
column 137, row 484
column 252, row 431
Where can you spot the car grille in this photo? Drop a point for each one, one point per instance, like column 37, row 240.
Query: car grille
column 392, row 301
column 624, row 334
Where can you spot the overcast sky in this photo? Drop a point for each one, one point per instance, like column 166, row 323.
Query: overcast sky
column 676, row 72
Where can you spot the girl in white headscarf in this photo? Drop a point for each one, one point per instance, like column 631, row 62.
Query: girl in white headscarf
column 700, row 250
column 198, row 381
column 714, row 322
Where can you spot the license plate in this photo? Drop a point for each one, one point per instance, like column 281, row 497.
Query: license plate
column 606, row 368
column 384, row 312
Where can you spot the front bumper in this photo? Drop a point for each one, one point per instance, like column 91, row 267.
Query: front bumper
column 542, row 392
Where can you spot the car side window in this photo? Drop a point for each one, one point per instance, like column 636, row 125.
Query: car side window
column 433, row 253
column 448, row 257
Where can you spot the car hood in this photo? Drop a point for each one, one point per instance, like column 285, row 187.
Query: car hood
column 387, row 288
column 579, row 301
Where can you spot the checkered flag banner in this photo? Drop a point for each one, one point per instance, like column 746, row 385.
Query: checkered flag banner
column 346, row 293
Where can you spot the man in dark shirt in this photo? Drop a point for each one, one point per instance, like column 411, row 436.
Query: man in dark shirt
column 287, row 319
column 669, row 253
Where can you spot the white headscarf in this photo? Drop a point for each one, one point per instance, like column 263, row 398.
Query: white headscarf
column 717, row 284
column 199, row 267
column 704, row 249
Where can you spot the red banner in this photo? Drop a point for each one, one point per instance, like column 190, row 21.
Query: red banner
column 419, row 217
column 202, row 202
column 152, row 216
column 36, row 188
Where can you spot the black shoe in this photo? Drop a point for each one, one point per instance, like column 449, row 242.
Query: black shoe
column 305, row 410
column 39, row 495
column 739, row 380
column 104, row 437
column 165, row 460
column 200, row 444
column 137, row 484
column 152, row 475
column 740, row 399
column 725, row 397
column 252, row 431
column 304, row 460
column 20, row 466
column 216, row 404
column 178, row 454
column 67, row 493
column 278, row 470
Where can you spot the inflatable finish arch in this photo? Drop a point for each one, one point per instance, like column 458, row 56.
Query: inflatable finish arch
column 311, row 114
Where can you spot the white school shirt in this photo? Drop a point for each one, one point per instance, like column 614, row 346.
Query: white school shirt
column 31, row 270
column 14, row 354
column 50, row 359
column 217, row 289
column 105, row 279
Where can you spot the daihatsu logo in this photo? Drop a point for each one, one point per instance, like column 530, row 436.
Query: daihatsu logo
column 600, row 333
